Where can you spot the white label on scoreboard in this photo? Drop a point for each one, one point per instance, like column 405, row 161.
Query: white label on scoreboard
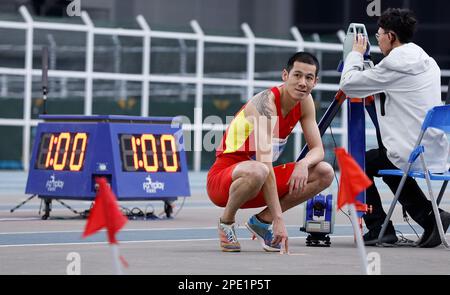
column 150, row 187
column 54, row 184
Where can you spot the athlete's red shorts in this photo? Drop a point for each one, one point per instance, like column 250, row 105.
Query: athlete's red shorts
column 219, row 181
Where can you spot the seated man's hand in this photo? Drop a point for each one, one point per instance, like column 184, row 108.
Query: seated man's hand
column 360, row 43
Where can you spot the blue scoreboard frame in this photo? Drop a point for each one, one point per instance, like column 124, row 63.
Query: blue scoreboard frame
column 142, row 158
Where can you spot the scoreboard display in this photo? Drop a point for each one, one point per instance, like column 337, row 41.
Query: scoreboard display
column 142, row 158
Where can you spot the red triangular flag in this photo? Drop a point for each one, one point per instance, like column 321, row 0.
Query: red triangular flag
column 353, row 180
column 105, row 213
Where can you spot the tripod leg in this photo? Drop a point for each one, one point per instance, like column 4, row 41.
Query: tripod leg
column 326, row 119
column 21, row 204
column 67, row 206
column 168, row 209
column 47, row 209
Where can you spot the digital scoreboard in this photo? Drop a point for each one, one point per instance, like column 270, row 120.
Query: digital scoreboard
column 142, row 158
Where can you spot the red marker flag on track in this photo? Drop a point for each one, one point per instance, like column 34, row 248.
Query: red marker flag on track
column 352, row 180
column 105, row 213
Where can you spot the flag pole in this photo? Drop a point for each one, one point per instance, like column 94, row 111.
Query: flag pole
column 116, row 258
column 358, row 236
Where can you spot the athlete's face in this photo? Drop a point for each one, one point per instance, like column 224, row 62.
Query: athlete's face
column 300, row 81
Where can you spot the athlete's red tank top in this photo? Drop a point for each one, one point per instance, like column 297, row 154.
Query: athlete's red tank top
column 239, row 139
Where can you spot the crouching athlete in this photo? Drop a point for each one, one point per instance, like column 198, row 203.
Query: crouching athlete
column 243, row 175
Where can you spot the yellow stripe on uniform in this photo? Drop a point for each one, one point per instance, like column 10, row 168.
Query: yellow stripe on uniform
column 238, row 132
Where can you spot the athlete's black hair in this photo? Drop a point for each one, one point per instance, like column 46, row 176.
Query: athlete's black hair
column 304, row 57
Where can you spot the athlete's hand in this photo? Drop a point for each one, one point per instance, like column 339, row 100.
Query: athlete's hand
column 360, row 43
column 299, row 177
column 280, row 235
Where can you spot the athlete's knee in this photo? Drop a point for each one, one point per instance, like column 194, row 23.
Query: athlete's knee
column 255, row 172
column 326, row 173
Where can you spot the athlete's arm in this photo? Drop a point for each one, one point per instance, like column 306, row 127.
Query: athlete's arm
column 299, row 176
column 262, row 109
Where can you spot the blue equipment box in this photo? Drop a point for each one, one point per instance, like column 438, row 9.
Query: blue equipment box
column 142, row 158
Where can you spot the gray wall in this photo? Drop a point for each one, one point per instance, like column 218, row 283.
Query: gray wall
column 266, row 17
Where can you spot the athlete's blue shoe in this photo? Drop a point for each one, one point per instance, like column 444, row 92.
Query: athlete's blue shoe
column 263, row 232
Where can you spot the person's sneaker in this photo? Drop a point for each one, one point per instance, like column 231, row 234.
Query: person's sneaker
column 371, row 237
column 263, row 232
column 434, row 239
column 228, row 239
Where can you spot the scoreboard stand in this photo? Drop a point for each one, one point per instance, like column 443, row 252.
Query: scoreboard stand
column 141, row 158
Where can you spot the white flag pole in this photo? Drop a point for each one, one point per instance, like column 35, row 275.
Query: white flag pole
column 116, row 258
column 358, row 236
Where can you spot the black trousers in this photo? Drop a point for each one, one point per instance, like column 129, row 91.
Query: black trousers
column 412, row 198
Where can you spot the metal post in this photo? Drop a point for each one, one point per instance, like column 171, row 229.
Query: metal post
column 344, row 122
column 297, row 131
column 89, row 65
column 319, row 55
column 52, row 60
column 250, row 59
column 198, row 112
column 145, row 65
column 183, row 69
column 120, row 85
column 341, row 35
column 4, row 90
column 28, row 88
column 344, row 113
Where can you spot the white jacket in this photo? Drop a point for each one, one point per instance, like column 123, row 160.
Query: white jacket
column 411, row 80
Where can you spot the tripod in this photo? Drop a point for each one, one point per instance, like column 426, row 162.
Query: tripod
column 22, row 203
column 47, row 206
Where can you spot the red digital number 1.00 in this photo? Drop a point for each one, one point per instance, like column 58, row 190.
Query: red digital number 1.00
column 149, row 153
column 62, row 151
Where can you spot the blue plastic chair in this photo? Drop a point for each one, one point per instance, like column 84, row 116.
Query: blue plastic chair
column 438, row 117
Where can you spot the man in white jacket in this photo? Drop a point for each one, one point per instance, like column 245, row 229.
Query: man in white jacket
column 407, row 84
